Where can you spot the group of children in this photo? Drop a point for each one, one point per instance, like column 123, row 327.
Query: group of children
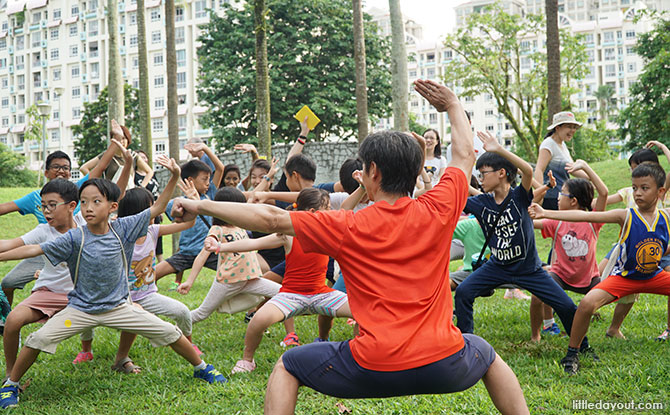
column 94, row 253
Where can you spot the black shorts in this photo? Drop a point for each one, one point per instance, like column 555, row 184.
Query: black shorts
column 181, row 262
column 330, row 368
column 568, row 287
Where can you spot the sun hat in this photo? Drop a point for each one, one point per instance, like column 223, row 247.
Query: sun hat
column 564, row 117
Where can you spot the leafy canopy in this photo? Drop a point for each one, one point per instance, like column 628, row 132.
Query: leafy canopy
column 646, row 116
column 91, row 132
column 310, row 59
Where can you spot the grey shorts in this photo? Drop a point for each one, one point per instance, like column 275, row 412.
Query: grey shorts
column 23, row 273
column 181, row 262
column 330, row 368
column 292, row 304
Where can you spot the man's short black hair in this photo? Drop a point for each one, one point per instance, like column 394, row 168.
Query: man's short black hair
column 303, row 165
column 56, row 155
column 397, row 156
column 65, row 188
column 497, row 162
column 348, row 167
column 642, row 155
column 192, row 169
column 109, row 189
column 653, row 170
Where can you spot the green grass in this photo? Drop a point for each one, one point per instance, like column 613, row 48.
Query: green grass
column 636, row 369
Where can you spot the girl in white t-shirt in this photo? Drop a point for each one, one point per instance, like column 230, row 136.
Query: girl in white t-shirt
column 434, row 163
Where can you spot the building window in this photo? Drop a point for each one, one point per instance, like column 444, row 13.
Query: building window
column 133, row 40
column 182, row 123
column 489, row 127
column 76, row 92
column 95, row 70
column 157, row 126
column 55, row 14
column 158, row 59
column 37, row 39
column 181, row 80
column 76, row 113
column 632, row 67
column 181, row 58
column 5, row 102
column 74, row 72
column 432, row 118
column 74, row 10
column 630, row 50
column 136, row 62
column 74, row 30
column 609, row 54
column 19, row 42
column 610, row 70
column 155, row 14
column 156, row 36
column 74, row 51
column 179, row 14
column 160, row 147
column 608, row 37
column 179, row 35
column 181, row 99
column 200, row 11
column 56, row 74
column 132, row 19
column 55, row 54
column 93, row 28
column 630, row 34
column 55, row 135
column 54, row 33
column 159, row 81
column 159, row 103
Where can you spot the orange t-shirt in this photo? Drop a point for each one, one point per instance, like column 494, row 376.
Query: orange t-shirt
column 305, row 273
column 396, row 262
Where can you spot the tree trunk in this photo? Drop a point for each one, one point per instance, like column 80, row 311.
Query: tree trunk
column 553, row 60
column 171, row 66
column 361, row 83
column 115, row 80
column 262, row 80
column 145, row 116
column 400, row 88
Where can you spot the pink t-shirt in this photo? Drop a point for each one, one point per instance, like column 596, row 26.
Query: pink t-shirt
column 574, row 257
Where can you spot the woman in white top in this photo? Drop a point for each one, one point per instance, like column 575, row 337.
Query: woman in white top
column 554, row 155
column 434, row 164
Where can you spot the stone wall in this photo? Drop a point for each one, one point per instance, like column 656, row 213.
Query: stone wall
column 327, row 156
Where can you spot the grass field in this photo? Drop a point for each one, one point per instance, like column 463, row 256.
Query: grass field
column 633, row 370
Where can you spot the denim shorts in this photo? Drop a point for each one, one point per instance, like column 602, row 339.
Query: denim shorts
column 330, row 368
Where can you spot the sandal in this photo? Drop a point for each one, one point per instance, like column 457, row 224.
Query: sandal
column 243, row 366
column 664, row 336
column 126, row 366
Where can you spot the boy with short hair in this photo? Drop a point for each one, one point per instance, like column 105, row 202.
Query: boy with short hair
column 98, row 249
column 644, row 239
column 191, row 240
column 514, row 258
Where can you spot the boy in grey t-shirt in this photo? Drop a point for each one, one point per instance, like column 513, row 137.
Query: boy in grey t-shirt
column 98, row 256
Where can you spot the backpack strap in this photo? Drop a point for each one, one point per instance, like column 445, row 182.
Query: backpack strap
column 125, row 260
column 76, row 268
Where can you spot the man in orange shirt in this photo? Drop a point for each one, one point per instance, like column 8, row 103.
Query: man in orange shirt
column 399, row 295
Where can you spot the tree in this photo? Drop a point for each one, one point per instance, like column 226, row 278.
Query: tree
column 361, row 82
column 604, row 95
column 399, row 68
column 553, row 59
column 496, row 54
column 34, row 132
column 91, row 132
column 592, row 144
column 172, row 99
column 114, row 80
column 12, row 169
column 646, row 116
column 310, row 60
column 263, row 113
column 145, row 114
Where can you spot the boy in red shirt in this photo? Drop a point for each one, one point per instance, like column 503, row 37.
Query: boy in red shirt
column 399, row 295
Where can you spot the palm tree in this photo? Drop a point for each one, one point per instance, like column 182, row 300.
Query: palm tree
column 400, row 87
column 262, row 79
column 115, row 80
column 361, row 83
column 553, row 60
column 145, row 117
column 171, row 67
column 604, row 95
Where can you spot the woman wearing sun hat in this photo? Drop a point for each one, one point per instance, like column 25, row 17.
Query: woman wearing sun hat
column 555, row 157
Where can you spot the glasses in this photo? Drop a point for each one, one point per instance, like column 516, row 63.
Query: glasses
column 568, row 195
column 51, row 206
column 482, row 174
column 57, row 168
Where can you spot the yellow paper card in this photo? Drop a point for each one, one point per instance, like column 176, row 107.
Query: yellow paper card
column 312, row 119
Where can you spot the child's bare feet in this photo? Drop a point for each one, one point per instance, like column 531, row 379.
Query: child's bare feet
column 615, row 333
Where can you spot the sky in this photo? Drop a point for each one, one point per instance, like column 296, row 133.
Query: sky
column 436, row 16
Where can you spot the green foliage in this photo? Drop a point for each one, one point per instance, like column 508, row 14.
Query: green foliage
column 646, row 116
column 91, row 132
column 33, row 125
column 12, row 169
column 310, row 59
column 490, row 57
column 415, row 125
column 592, row 144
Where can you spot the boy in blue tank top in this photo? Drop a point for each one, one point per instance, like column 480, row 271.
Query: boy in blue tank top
column 643, row 241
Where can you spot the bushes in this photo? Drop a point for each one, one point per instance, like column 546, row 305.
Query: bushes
column 12, row 170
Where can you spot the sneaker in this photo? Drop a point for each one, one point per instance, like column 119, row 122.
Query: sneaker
column 552, row 330
column 664, row 336
column 82, row 357
column 9, row 396
column 589, row 352
column 291, row 339
column 570, row 364
column 243, row 366
column 248, row 316
column 515, row 294
column 320, row 340
column 210, row 374
column 173, row 286
column 197, row 350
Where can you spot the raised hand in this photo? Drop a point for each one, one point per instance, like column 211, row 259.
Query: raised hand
column 438, row 95
column 116, row 130
column 184, row 288
column 246, row 148
column 535, row 211
column 189, row 190
column 195, row 147
column 358, row 176
column 421, row 141
column 169, row 164
column 273, row 167
column 127, row 155
column 304, row 129
column 657, row 144
column 490, row 142
column 211, row 244
column 552, row 179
